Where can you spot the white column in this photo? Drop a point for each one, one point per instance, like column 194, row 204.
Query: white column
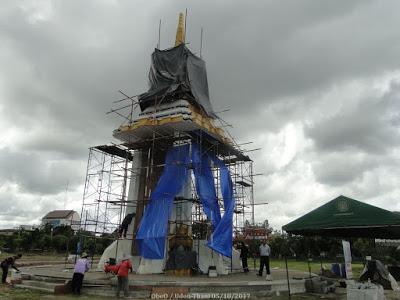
column 133, row 193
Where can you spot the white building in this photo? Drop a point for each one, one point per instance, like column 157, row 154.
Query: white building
column 62, row 217
column 26, row 227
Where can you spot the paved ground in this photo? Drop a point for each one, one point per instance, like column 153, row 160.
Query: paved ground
column 59, row 271
column 236, row 279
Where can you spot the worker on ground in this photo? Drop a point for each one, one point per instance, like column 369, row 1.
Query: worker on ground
column 123, row 271
column 244, row 252
column 6, row 264
column 265, row 252
column 125, row 224
column 81, row 267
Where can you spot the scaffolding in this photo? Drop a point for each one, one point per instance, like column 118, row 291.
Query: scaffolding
column 110, row 169
column 104, row 197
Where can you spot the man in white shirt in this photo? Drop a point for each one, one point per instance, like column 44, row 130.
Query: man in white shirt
column 265, row 252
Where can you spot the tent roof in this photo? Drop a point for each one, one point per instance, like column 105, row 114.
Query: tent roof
column 346, row 217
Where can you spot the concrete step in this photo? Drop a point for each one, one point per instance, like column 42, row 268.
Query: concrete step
column 46, row 279
column 35, row 288
column 111, row 292
column 93, row 290
column 63, row 280
column 42, row 284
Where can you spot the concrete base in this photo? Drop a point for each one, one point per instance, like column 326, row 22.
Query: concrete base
column 151, row 266
column 158, row 285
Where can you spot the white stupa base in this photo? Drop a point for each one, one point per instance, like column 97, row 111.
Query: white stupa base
column 151, row 266
column 208, row 258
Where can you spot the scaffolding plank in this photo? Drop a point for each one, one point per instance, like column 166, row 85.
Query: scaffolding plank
column 115, row 150
column 244, row 183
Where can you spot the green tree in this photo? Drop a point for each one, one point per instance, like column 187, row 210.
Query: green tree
column 279, row 245
column 45, row 242
column 26, row 240
column 65, row 230
column 60, row 242
column 362, row 247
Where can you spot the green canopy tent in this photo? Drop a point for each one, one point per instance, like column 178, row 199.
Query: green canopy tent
column 346, row 217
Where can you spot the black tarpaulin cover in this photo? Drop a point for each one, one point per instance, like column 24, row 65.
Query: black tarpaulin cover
column 175, row 74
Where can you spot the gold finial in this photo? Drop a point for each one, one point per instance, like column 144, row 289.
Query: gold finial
column 180, row 31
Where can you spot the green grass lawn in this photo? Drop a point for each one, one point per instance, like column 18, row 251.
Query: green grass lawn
column 301, row 265
column 45, row 256
column 9, row 293
column 35, row 257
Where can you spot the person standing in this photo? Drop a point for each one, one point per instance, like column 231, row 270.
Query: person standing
column 123, row 229
column 81, row 267
column 6, row 264
column 123, row 272
column 244, row 253
column 265, row 252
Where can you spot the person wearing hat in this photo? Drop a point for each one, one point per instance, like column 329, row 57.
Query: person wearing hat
column 81, row 267
column 123, row 271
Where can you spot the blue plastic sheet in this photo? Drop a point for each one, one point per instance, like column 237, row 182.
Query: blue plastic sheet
column 205, row 185
column 221, row 240
column 153, row 228
column 154, row 225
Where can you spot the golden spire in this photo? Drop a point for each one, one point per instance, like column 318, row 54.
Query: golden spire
column 180, row 31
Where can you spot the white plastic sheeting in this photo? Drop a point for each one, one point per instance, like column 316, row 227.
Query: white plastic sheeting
column 236, row 261
column 364, row 291
column 151, row 266
column 223, row 264
column 393, row 283
column 207, row 258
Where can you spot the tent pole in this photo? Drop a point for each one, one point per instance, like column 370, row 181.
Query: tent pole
column 287, row 277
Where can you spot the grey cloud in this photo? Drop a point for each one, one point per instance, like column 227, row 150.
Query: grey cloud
column 267, row 61
column 341, row 168
column 18, row 208
column 367, row 127
column 39, row 175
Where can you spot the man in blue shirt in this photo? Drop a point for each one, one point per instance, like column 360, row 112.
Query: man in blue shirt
column 265, row 252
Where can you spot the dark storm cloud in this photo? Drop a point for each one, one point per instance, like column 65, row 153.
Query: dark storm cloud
column 370, row 126
column 71, row 66
column 39, row 174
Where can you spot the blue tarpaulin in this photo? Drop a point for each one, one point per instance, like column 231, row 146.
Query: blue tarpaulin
column 222, row 236
column 154, row 225
column 153, row 228
column 205, row 185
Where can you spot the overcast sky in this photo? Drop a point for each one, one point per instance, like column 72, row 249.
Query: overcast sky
column 315, row 84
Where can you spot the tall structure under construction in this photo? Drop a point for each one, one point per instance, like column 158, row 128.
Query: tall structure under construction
column 177, row 181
